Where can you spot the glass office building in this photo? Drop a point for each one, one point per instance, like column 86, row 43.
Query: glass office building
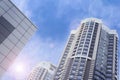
column 15, row 30
column 91, row 53
column 43, row 71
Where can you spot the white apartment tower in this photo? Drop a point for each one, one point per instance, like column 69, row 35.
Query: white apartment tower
column 43, row 71
column 90, row 54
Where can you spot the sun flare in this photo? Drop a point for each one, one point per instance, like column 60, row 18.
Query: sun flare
column 19, row 68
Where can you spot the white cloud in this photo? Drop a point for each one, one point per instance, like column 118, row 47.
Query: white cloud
column 86, row 8
column 108, row 13
column 74, row 24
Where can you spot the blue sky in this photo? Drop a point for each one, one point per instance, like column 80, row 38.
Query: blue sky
column 55, row 19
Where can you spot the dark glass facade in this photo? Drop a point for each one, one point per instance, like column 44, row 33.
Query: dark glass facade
column 5, row 29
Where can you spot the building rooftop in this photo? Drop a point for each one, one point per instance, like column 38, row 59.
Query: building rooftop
column 98, row 21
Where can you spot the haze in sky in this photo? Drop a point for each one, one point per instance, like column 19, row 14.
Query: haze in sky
column 55, row 19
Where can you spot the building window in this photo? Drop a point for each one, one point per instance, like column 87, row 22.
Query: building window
column 5, row 29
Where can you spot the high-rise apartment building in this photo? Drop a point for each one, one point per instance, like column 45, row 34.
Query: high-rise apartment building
column 90, row 54
column 43, row 71
column 15, row 31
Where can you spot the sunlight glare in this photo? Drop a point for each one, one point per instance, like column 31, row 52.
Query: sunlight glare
column 19, row 68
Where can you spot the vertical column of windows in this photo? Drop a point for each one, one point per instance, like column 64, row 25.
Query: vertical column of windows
column 116, row 56
column 74, row 66
column 84, row 39
column 77, row 69
column 63, row 59
column 101, row 56
column 93, row 40
column 78, row 41
column 81, row 68
column 110, row 57
column 83, row 33
column 88, row 38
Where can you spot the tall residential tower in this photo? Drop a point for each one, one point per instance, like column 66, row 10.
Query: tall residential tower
column 90, row 54
column 15, row 30
column 43, row 71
